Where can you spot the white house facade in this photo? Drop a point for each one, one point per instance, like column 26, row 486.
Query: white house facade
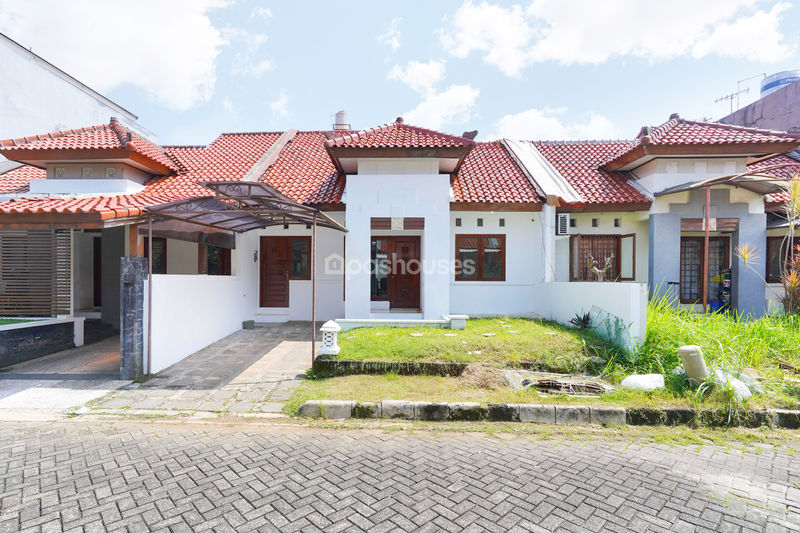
column 387, row 224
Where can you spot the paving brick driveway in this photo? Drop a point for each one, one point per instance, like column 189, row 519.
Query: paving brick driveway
column 249, row 371
column 95, row 476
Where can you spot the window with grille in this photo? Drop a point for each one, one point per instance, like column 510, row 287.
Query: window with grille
column 691, row 282
column 481, row 257
column 776, row 256
column 599, row 247
column 218, row 261
column 159, row 254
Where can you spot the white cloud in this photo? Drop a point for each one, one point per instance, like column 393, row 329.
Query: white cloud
column 280, row 106
column 264, row 13
column 248, row 59
column 391, row 37
column 450, row 106
column 588, row 31
column 757, row 36
column 500, row 33
column 421, row 77
column 548, row 124
column 168, row 49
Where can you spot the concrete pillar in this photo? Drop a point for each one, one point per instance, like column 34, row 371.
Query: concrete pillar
column 748, row 293
column 549, row 214
column 133, row 274
column 664, row 266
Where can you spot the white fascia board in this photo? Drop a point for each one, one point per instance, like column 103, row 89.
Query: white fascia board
column 542, row 175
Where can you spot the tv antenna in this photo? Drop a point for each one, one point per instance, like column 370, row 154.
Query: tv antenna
column 739, row 91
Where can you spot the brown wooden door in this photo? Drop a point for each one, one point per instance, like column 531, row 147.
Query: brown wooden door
column 274, row 272
column 405, row 273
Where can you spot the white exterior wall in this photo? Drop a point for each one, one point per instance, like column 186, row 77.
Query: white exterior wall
column 525, row 260
column 663, row 173
column 37, row 97
column 330, row 289
column 398, row 188
column 560, row 301
column 192, row 311
column 636, row 222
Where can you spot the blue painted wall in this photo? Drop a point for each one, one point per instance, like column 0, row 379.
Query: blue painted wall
column 748, row 294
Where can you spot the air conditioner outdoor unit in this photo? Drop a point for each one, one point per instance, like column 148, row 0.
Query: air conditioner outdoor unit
column 562, row 224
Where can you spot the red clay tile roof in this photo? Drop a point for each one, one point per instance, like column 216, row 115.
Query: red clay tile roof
column 774, row 200
column 398, row 135
column 691, row 133
column 489, row 174
column 304, row 171
column 16, row 181
column 103, row 137
column 579, row 163
column 124, row 205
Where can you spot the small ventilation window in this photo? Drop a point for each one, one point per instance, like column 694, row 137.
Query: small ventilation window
column 480, row 222
column 286, row 226
column 617, row 223
column 595, row 222
column 458, row 222
column 573, row 223
column 502, row 222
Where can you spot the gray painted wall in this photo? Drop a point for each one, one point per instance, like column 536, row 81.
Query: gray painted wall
column 777, row 111
column 113, row 250
column 748, row 291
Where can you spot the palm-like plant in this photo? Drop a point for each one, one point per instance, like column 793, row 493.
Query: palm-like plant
column 790, row 275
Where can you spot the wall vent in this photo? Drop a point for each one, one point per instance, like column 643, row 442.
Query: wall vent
column 562, row 224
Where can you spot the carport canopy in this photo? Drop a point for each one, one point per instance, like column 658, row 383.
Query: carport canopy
column 239, row 206
column 243, row 206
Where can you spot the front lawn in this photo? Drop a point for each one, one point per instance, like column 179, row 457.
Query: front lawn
column 7, row 321
column 728, row 342
column 503, row 342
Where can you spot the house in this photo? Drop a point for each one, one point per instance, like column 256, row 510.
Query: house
column 396, row 222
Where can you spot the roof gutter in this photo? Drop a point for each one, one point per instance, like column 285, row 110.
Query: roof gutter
column 543, row 176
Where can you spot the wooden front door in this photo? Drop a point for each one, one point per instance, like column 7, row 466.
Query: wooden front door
column 405, row 273
column 274, row 272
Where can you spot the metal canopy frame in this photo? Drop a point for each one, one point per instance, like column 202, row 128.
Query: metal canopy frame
column 243, row 206
column 240, row 206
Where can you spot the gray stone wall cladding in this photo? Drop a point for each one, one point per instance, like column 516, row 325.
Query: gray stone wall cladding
column 133, row 273
column 748, row 294
column 24, row 344
column 605, row 415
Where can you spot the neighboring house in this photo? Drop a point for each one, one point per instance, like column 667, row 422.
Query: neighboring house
column 777, row 109
column 37, row 96
column 500, row 227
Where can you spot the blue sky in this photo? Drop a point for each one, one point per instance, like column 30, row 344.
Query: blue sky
column 544, row 69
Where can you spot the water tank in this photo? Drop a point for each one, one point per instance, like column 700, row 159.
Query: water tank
column 340, row 121
column 770, row 84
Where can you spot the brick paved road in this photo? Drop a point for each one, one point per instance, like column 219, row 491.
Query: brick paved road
column 99, row 475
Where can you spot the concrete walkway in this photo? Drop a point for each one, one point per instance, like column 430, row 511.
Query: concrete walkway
column 250, row 371
column 99, row 358
column 49, row 387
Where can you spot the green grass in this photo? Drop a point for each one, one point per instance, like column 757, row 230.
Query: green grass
column 7, row 321
column 374, row 388
column 727, row 341
column 549, row 346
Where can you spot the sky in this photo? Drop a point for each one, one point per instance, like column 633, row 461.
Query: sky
column 545, row 69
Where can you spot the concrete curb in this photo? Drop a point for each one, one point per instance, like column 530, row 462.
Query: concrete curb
column 604, row 415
